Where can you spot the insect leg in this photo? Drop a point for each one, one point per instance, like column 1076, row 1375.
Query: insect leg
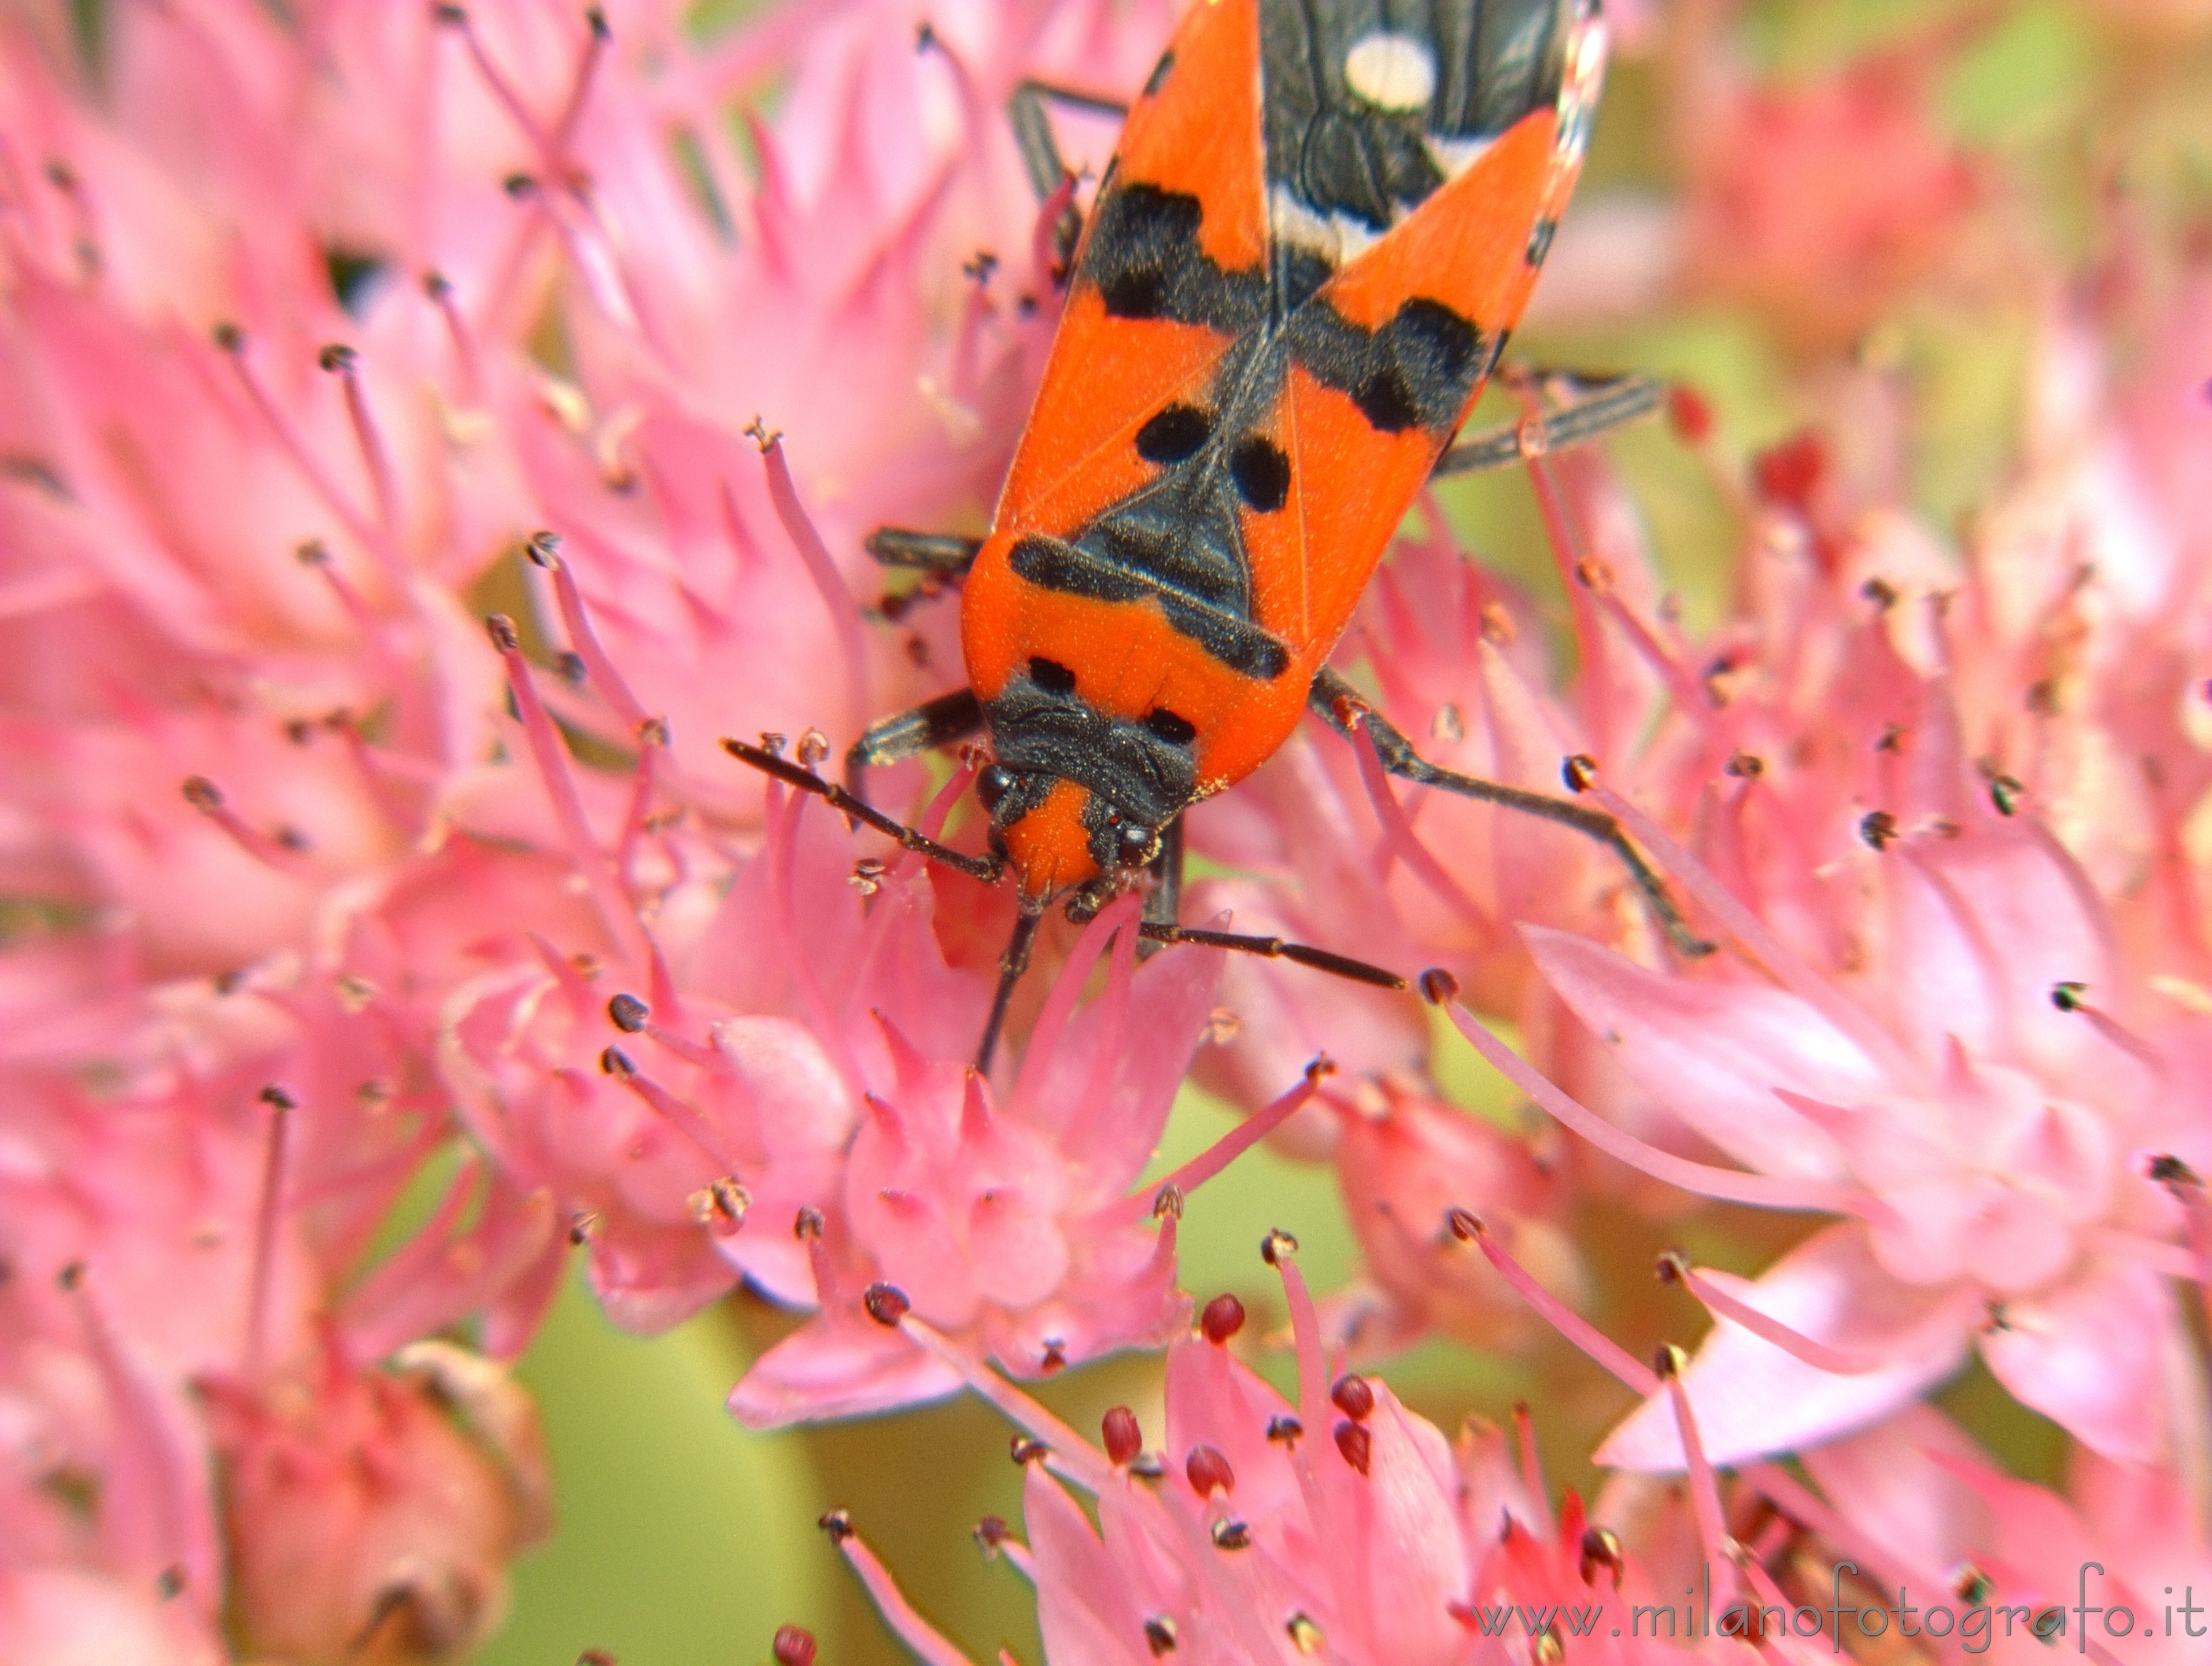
column 933, row 723
column 1341, row 707
column 1011, row 965
column 1163, row 903
column 1597, row 409
column 986, row 869
column 945, row 555
column 1040, row 157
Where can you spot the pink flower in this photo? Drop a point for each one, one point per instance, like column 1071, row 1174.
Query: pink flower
column 1989, row 1148
column 1405, row 1163
column 1269, row 1530
column 373, row 1515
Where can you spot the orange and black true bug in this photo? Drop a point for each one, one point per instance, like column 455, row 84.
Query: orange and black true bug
column 1323, row 220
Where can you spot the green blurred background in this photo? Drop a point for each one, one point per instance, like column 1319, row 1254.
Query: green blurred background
column 686, row 1540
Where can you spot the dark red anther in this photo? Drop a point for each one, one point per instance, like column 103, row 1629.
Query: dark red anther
column 1600, row 1549
column 1124, row 1437
column 886, row 1303
column 1466, row 1226
column 1579, row 772
column 1222, row 1318
column 1160, row 1635
column 793, row 1646
column 990, row 1533
column 1353, row 1397
column 1276, row 1246
column 1878, row 828
column 1355, row 1443
column 1026, row 1449
column 1688, row 414
column 629, row 1013
column 808, row 1224
column 1207, row 1470
column 837, row 1523
column 1439, row 985
column 1791, row 473
column 1283, row 1429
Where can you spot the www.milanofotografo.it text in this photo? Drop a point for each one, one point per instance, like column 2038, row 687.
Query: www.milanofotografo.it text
column 1975, row 1624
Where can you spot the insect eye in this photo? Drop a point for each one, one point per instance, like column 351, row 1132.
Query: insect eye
column 1135, row 845
column 994, row 784
column 1051, row 676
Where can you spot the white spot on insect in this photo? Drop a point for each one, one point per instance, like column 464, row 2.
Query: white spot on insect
column 1391, row 71
column 1336, row 238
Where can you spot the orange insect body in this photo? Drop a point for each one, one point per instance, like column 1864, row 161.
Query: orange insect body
column 1323, row 220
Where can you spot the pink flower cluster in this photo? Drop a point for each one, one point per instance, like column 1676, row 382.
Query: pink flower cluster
column 425, row 430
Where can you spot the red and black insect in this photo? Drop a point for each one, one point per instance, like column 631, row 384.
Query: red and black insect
column 1321, row 222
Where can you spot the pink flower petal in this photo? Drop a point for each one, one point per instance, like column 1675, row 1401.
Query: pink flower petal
column 1753, row 1397
column 1714, row 1053
column 2093, row 1356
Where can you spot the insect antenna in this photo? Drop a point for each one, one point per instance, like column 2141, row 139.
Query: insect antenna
column 989, row 870
column 1274, row 948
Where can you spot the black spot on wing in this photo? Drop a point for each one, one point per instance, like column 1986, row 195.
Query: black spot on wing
column 1417, row 371
column 1261, row 471
column 1174, row 435
column 1540, row 240
column 1161, row 71
column 1144, row 258
column 1176, row 730
column 1051, row 676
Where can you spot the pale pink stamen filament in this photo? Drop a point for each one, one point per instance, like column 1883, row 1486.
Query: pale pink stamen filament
column 1399, row 839
column 1112, row 1026
column 1212, row 1160
column 931, row 825
column 1067, row 989
column 1590, row 638
column 1732, row 1185
column 1741, row 923
column 577, row 620
column 296, row 446
column 1843, row 1362
column 929, row 1645
column 783, row 817
column 680, row 1113
column 551, row 754
column 1317, row 1416
column 269, row 1215
column 1705, row 1494
column 376, row 455
column 463, row 339
column 579, row 89
column 829, row 582
column 1600, row 1347
column 206, row 798
column 1085, row 1465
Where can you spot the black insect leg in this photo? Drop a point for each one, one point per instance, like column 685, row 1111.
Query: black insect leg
column 1592, row 410
column 986, row 869
column 943, row 555
column 1342, row 708
column 1011, row 965
column 933, row 723
column 1033, row 134
column 1163, row 902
